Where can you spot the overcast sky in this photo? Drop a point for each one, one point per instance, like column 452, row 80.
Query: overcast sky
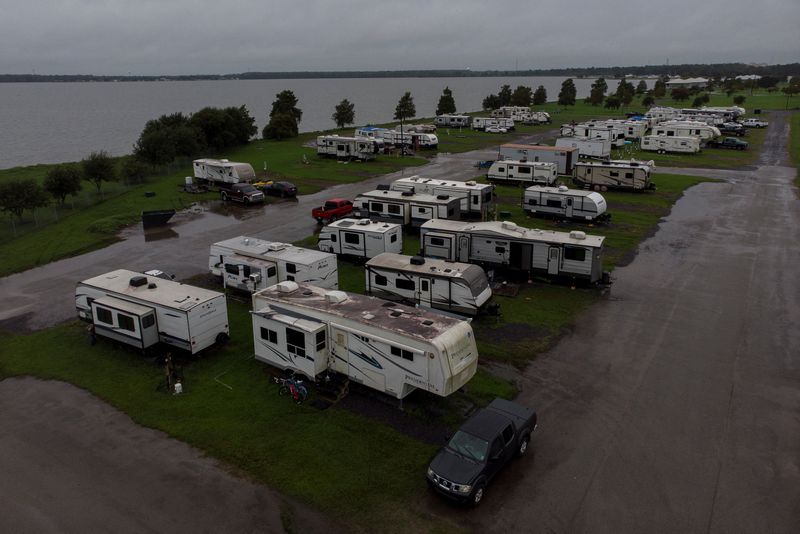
column 218, row 37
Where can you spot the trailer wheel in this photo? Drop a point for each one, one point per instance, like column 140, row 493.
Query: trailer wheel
column 222, row 338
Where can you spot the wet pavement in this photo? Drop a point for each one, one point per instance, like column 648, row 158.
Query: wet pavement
column 675, row 404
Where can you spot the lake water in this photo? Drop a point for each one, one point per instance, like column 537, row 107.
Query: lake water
column 55, row 122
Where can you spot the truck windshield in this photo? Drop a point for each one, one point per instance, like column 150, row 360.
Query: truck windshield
column 469, row 446
column 247, row 189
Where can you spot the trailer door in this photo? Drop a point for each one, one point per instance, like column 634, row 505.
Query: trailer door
column 568, row 212
column 553, row 259
column 463, row 248
column 339, row 352
column 521, row 255
column 424, row 292
column 353, row 243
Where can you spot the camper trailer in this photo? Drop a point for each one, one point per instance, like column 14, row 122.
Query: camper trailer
column 510, row 111
column 250, row 264
column 141, row 310
column 563, row 157
column 522, row 172
column 674, row 128
column 389, row 347
column 349, row 148
column 373, row 132
column 575, row 254
column 476, row 199
column 222, row 173
column 406, row 207
column 657, row 115
column 592, row 148
column 562, row 202
column 430, row 283
column 614, row 134
column 629, row 129
column 679, row 144
column 453, row 121
column 424, row 140
column 361, row 238
column 602, row 175
column 481, row 123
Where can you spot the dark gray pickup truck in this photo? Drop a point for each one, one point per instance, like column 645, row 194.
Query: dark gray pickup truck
column 478, row 450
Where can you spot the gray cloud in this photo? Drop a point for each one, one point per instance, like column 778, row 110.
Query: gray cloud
column 198, row 36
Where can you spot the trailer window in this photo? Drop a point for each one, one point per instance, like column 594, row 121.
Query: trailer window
column 148, row 321
column 271, row 271
column 437, row 242
column 269, row 335
column 475, row 199
column 613, row 173
column 553, row 203
column 231, row 269
column 295, row 342
column 524, row 170
column 321, row 340
column 351, row 238
column 104, row 316
column 126, row 323
column 450, row 212
column 291, row 268
column 501, row 169
column 402, row 353
column 628, row 175
column 423, row 285
column 574, row 253
column 393, row 238
column 376, row 206
column 333, row 238
column 394, row 209
column 500, row 250
column 402, row 283
column 245, row 270
column 380, row 280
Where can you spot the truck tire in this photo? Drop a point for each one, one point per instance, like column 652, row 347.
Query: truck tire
column 222, row 338
column 523, row 445
column 224, row 195
column 478, row 493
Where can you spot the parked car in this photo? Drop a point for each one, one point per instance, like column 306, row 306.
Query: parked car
column 728, row 142
column 495, row 129
column 279, row 189
column 333, row 209
column 732, row 128
column 245, row 193
column 478, row 450
column 754, row 123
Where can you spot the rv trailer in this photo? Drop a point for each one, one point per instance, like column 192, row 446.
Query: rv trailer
column 349, row 148
column 373, row 132
column 566, row 203
column 476, row 199
column 481, row 123
column 424, row 140
column 141, row 310
column 453, row 121
column 430, row 283
column 405, row 207
column 221, row 172
column 563, row 157
column 593, row 148
column 602, row 175
column 573, row 254
column 250, row 264
column 389, row 347
column 680, row 144
column 614, row 134
column 674, row 128
column 361, row 238
column 522, row 172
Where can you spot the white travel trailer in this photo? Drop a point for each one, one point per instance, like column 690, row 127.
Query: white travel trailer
column 361, row 238
column 250, row 264
column 430, row 283
column 510, row 111
column 481, row 123
column 141, row 310
column 424, row 140
column 661, row 143
column 522, row 172
column 657, row 115
column 610, row 132
column 406, row 207
column 628, row 128
column 389, row 347
column 573, row 254
column 453, row 121
column 340, row 147
column 674, row 128
column 222, row 172
column 563, row 202
column 373, row 132
column 602, row 175
column 563, row 157
column 476, row 199
column 594, row 148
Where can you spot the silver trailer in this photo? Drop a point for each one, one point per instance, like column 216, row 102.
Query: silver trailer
column 349, row 148
column 593, row 148
column 679, row 144
column 361, row 238
column 563, row 157
column 141, row 310
column 603, row 175
column 481, row 123
column 562, row 202
column 389, row 347
column 522, row 172
column 452, row 121
column 613, row 133
column 673, row 128
column 574, row 255
column 476, row 199
column 250, row 264
column 406, row 207
column 222, row 172
column 430, row 283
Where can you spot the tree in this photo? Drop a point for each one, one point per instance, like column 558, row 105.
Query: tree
column 660, row 87
column 284, row 117
column 700, row 100
column 680, row 94
column 405, row 110
column 505, row 95
column 155, row 147
column 613, row 102
column 62, row 181
column 491, row 102
column 540, row 96
column 769, row 81
column 648, row 100
column 625, row 92
column 344, row 113
column 738, row 100
column 134, row 170
column 18, row 195
column 447, row 103
column 597, row 92
column 522, row 96
column 98, row 168
column 566, row 97
column 641, row 88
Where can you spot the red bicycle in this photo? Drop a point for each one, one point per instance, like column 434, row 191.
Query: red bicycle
column 294, row 387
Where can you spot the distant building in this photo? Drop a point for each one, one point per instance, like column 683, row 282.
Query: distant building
column 747, row 77
column 700, row 83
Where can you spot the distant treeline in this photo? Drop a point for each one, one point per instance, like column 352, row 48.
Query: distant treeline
column 715, row 70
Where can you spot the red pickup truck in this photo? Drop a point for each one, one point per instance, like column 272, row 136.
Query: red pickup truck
column 333, row 209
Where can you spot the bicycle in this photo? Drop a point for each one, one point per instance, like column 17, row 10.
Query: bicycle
column 294, row 387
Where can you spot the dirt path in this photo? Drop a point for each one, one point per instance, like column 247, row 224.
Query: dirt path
column 71, row 463
column 674, row 405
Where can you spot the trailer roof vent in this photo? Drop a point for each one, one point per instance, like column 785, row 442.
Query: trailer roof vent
column 277, row 246
column 335, row 297
column 138, row 281
column 577, row 234
column 408, row 193
column 471, row 182
column 368, row 316
column 427, row 322
column 151, row 285
column 364, row 222
column 224, row 160
column 286, row 287
column 563, row 188
column 387, row 304
column 395, row 313
column 417, row 260
column 383, row 187
column 508, row 225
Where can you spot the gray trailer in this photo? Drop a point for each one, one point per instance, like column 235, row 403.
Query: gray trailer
column 563, row 157
column 476, row 199
column 624, row 175
column 406, row 207
column 565, row 203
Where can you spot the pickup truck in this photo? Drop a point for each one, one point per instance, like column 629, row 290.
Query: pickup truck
column 755, row 123
column 332, row 209
column 478, row 450
column 244, row 193
column 728, row 142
